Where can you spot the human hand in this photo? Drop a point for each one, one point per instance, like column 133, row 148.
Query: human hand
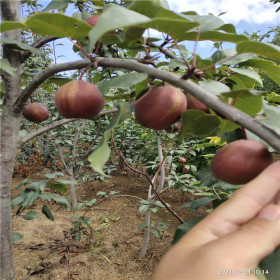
column 232, row 240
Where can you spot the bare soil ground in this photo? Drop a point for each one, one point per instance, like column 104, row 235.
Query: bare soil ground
column 111, row 251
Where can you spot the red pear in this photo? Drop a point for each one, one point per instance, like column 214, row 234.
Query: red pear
column 240, row 161
column 79, row 99
column 92, row 20
column 161, row 108
column 35, row 112
column 194, row 103
column 183, row 160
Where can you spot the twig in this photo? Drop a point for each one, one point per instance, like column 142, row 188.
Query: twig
column 63, row 161
column 149, row 180
column 214, row 190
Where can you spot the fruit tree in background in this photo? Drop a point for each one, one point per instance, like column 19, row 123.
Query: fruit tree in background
column 220, row 90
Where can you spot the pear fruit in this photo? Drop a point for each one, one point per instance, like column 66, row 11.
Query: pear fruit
column 240, row 161
column 79, row 99
column 35, row 112
column 161, row 107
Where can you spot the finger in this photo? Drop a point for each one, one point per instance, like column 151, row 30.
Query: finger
column 245, row 204
column 238, row 252
column 247, row 246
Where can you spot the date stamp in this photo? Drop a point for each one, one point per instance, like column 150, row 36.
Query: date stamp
column 242, row 272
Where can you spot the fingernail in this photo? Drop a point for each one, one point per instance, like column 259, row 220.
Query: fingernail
column 271, row 212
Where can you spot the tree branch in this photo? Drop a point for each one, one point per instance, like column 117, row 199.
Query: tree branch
column 164, row 51
column 227, row 111
column 56, row 124
column 38, row 44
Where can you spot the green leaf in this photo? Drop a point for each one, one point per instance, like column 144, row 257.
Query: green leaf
column 214, row 87
column 149, row 9
column 30, row 198
column 11, row 25
column 16, row 237
column 47, row 212
column 241, row 81
column 215, row 36
column 232, row 56
column 66, row 181
column 195, row 122
column 18, row 199
column 207, row 23
column 272, row 114
column 57, row 187
column 269, row 67
column 58, row 198
column 20, row 46
column 108, row 21
column 58, row 25
column 37, row 186
column 57, row 5
column 62, row 200
column 258, row 48
column 6, row 66
column 174, row 24
column 185, row 228
column 59, row 81
column 206, row 177
column 226, row 126
column 249, row 73
column 101, row 154
column 248, row 101
column 143, row 208
column 31, row 215
column 52, row 175
column 205, row 125
column 123, row 81
column 22, row 183
column 201, row 202
column 271, row 263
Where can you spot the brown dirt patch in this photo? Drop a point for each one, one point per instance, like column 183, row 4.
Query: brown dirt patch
column 111, row 251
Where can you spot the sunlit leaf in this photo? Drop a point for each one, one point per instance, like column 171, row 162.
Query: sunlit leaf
column 264, row 49
column 230, row 57
column 249, row 73
column 269, row 67
column 101, row 154
column 248, row 101
column 57, row 5
column 108, row 21
column 11, row 25
column 214, row 87
column 215, row 36
column 58, row 25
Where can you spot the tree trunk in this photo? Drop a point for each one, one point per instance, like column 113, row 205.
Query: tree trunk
column 9, row 136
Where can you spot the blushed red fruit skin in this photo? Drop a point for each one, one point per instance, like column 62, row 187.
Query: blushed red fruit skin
column 35, row 112
column 185, row 170
column 161, row 108
column 194, row 103
column 183, row 160
column 92, row 20
column 240, row 161
column 79, row 99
